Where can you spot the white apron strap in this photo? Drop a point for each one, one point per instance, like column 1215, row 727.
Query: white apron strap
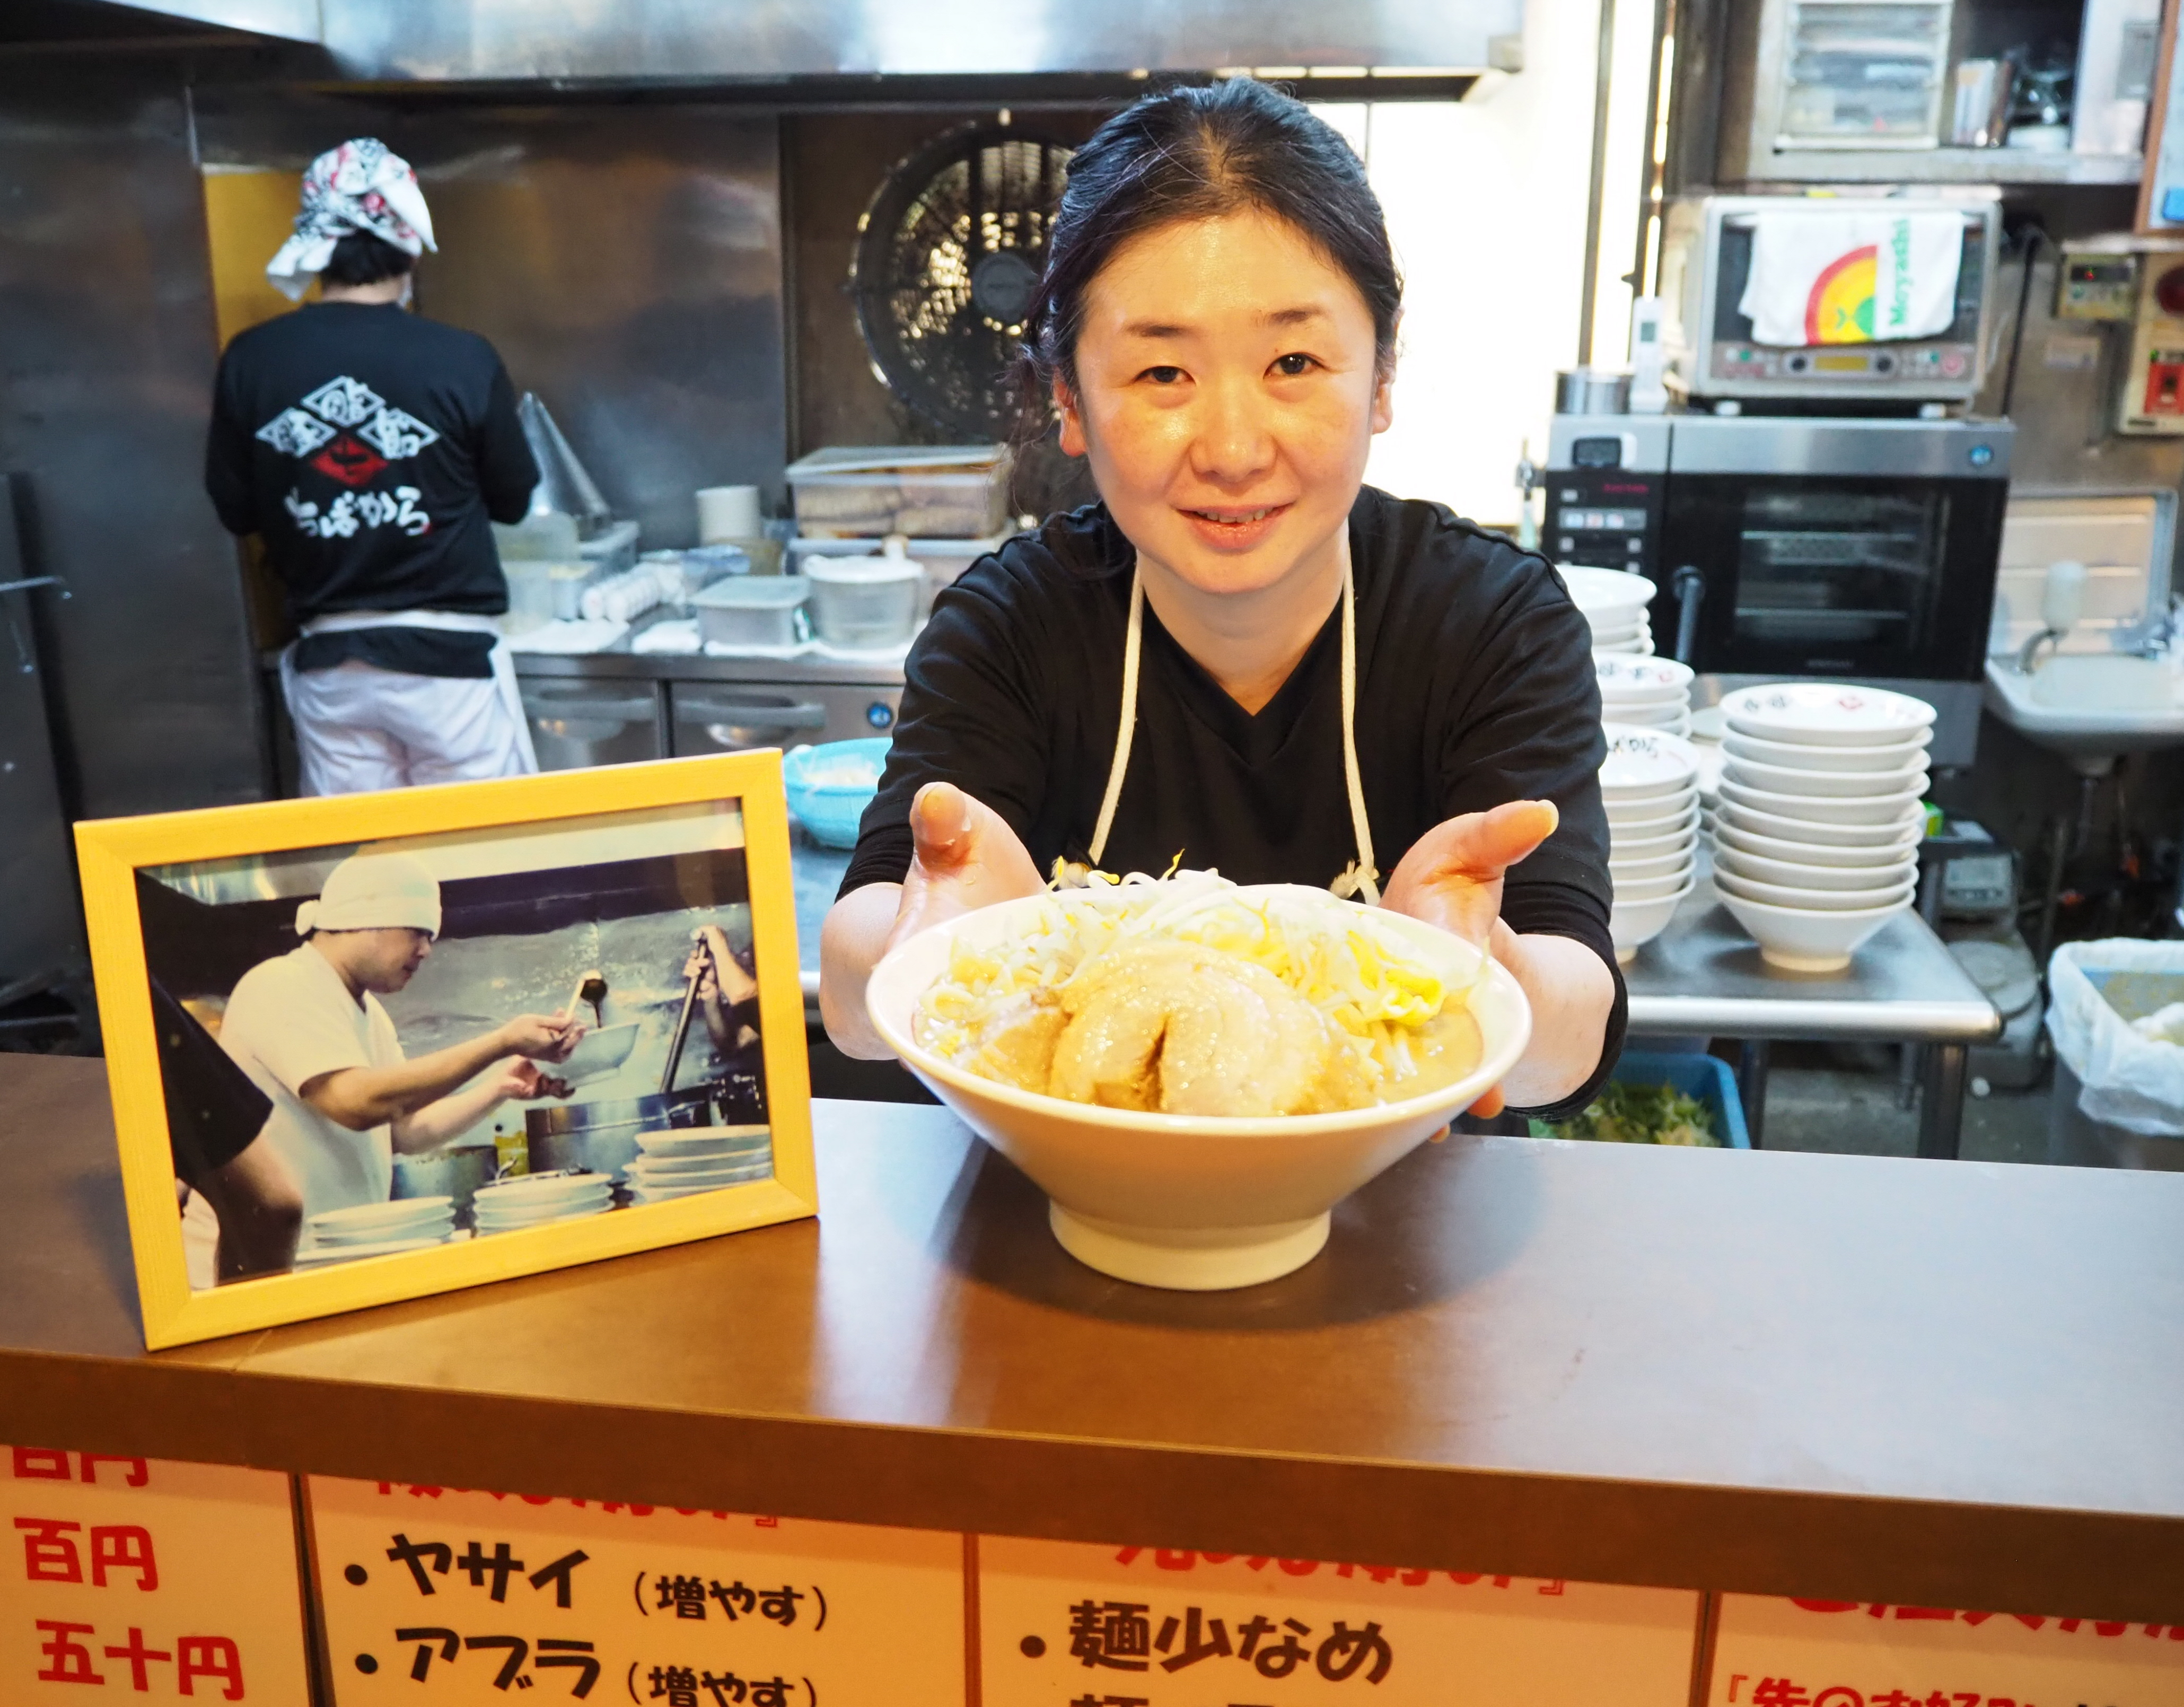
column 1360, row 877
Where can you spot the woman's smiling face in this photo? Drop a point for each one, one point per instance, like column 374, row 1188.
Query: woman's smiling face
column 1227, row 390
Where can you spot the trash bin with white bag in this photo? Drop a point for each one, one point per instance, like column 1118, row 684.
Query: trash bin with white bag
column 2116, row 1012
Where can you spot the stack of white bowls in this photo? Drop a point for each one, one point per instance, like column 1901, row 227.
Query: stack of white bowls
column 1650, row 785
column 532, row 1200
column 1816, row 837
column 1614, row 603
column 691, row 1159
column 376, row 1230
column 1649, row 692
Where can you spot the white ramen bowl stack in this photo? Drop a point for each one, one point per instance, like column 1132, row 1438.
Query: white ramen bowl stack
column 1816, row 836
column 687, row 1160
column 376, row 1230
column 1650, row 786
column 1613, row 603
column 1646, row 693
column 533, row 1200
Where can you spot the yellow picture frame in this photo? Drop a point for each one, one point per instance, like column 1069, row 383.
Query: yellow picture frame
column 111, row 851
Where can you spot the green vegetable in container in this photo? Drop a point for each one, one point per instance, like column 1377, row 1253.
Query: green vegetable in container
column 1638, row 1114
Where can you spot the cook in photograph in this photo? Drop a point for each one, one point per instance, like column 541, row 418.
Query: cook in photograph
column 385, row 1047
column 1241, row 658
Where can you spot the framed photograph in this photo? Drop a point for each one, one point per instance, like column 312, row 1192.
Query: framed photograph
column 369, row 1047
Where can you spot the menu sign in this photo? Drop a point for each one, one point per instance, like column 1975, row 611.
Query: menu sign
column 435, row 1595
column 147, row 1578
column 1065, row 1625
column 1772, row 1653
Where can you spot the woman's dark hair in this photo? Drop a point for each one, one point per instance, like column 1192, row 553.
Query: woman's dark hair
column 361, row 258
column 1198, row 153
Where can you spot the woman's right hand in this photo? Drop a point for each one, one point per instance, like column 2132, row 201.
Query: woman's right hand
column 965, row 856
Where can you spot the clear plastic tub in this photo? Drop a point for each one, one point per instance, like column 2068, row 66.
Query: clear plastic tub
column 865, row 602
column 942, row 560
column 752, row 611
column 955, row 491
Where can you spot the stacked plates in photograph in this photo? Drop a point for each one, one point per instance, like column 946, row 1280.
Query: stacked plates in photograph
column 1816, row 837
column 1649, row 784
column 1649, row 692
column 535, row 1199
column 1614, row 603
column 691, row 1159
column 376, row 1230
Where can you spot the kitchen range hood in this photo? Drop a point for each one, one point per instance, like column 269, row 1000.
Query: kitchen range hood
column 747, row 41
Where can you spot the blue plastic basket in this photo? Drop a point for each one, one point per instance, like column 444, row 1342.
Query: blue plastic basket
column 830, row 812
column 1699, row 1077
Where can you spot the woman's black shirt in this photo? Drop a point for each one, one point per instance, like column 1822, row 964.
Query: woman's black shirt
column 1475, row 686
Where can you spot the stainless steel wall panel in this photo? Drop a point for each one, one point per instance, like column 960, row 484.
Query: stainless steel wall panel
column 473, row 39
column 106, row 364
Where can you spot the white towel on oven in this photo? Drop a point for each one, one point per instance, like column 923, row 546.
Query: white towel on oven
column 1853, row 276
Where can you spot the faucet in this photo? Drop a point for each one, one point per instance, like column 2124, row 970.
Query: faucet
column 2062, row 599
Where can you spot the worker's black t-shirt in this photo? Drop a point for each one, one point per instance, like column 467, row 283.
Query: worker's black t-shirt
column 369, row 447
column 1475, row 686
column 214, row 1110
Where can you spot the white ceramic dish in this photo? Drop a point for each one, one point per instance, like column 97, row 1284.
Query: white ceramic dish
column 700, row 1140
column 1798, row 874
column 1628, row 871
column 1194, row 1202
column 1812, row 900
column 1799, row 941
column 1631, row 924
column 1642, row 647
column 1642, row 680
column 1855, row 856
column 1644, row 819
column 1837, row 811
column 1826, row 785
column 657, row 1166
column 1644, row 764
column 365, row 1217
column 1650, row 889
column 698, row 1167
column 1826, row 714
column 1600, row 593
column 437, row 1226
column 597, row 1054
column 516, row 1225
column 1909, row 824
column 1796, row 757
column 1621, row 847
column 668, row 1194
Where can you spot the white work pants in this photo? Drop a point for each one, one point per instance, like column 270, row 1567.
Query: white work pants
column 359, row 728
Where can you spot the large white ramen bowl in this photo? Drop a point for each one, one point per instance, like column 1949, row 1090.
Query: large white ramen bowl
column 1191, row 1203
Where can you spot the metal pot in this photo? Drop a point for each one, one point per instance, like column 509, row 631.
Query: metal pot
column 456, row 1174
column 1592, row 391
column 602, row 1136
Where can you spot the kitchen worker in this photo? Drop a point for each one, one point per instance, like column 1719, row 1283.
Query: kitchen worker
column 1242, row 654
column 728, row 996
column 308, row 1028
column 369, row 449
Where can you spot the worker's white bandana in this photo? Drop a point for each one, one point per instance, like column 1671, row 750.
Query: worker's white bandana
column 362, row 186
column 374, row 891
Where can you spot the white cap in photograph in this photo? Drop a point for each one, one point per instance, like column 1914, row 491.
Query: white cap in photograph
column 375, row 891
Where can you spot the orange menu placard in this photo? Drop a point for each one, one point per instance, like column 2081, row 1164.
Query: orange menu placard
column 145, row 1577
column 1770, row 1653
column 439, row 1596
column 1065, row 1625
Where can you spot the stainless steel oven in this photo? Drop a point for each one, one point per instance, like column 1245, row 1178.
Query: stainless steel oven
column 1863, row 550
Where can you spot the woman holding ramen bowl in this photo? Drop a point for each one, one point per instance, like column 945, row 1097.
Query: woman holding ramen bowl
column 1243, row 657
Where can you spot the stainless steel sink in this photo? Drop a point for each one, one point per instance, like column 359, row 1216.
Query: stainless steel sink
column 2090, row 707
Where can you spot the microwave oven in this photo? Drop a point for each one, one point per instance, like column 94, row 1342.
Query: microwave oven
column 1786, row 546
column 1706, row 262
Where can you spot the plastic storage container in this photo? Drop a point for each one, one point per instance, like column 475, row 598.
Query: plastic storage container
column 865, row 602
column 942, row 560
column 830, row 785
column 760, row 611
column 1702, row 1078
column 2118, row 1099
column 941, row 492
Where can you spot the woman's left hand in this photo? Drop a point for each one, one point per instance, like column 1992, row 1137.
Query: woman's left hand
column 1452, row 878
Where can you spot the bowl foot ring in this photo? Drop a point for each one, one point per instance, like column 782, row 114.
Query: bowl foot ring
column 1194, row 1260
